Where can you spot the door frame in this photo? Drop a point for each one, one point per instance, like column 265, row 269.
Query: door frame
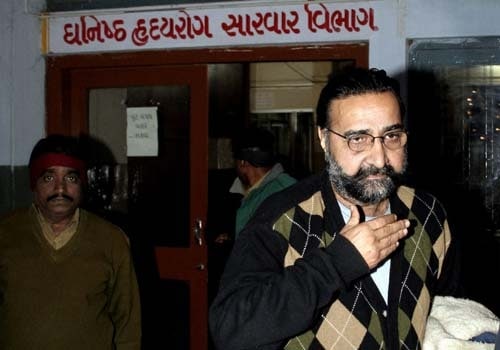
column 59, row 69
column 175, row 263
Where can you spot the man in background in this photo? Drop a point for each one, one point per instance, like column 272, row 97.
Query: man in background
column 259, row 172
column 66, row 276
column 259, row 175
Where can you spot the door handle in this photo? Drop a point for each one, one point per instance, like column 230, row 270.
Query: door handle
column 198, row 231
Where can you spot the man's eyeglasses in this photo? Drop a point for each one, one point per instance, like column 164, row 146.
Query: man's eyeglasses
column 360, row 142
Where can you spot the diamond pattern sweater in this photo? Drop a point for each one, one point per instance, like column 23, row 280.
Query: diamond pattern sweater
column 292, row 282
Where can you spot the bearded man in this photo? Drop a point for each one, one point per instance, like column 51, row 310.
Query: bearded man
column 347, row 259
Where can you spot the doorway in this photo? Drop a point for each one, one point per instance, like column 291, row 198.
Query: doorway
column 174, row 85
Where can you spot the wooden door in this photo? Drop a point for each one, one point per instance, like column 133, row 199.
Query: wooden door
column 71, row 81
column 164, row 202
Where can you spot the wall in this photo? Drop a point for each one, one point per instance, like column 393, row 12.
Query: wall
column 22, row 67
column 21, row 98
column 289, row 86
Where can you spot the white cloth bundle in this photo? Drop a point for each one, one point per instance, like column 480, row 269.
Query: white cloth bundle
column 454, row 321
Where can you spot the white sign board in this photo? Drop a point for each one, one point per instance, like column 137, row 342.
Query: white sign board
column 164, row 29
column 142, row 132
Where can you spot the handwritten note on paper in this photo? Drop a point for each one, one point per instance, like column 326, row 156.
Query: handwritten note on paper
column 142, row 132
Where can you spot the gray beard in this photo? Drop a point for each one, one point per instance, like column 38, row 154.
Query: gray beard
column 357, row 187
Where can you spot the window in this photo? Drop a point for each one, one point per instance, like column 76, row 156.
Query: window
column 294, row 137
column 454, row 119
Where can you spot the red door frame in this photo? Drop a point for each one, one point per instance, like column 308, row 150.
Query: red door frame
column 66, row 111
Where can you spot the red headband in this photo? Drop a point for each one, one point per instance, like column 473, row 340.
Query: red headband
column 47, row 160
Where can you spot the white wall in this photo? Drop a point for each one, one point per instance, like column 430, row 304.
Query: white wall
column 419, row 19
column 22, row 109
column 5, row 80
column 21, row 83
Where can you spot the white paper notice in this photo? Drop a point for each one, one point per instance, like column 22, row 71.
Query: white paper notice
column 142, row 132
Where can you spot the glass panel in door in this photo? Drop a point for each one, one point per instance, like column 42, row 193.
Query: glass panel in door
column 146, row 195
column 148, row 151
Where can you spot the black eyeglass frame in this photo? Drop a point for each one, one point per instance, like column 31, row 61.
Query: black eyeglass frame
column 349, row 138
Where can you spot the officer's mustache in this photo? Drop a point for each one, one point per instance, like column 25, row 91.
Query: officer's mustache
column 60, row 195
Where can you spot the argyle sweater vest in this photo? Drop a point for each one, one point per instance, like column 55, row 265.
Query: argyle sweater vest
column 352, row 320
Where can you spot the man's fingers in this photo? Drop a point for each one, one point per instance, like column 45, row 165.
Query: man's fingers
column 377, row 238
column 392, row 238
column 389, row 240
column 382, row 221
column 384, row 252
column 399, row 227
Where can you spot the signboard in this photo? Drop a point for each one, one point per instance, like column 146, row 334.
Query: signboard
column 142, row 132
column 308, row 22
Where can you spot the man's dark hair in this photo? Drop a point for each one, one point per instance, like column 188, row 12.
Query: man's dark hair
column 256, row 146
column 351, row 82
column 56, row 143
column 56, row 150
